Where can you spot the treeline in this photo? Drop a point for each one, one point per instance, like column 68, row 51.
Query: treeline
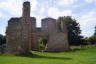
column 92, row 39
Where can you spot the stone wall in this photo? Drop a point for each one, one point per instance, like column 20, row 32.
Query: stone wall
column 48, row 25
column 22, row 34
column 3, row 48
column 57, row 42
column 58, row 36
column 13, row 35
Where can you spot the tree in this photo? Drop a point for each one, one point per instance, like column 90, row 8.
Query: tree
column 2, row 42
column 92, row 39
column 42, row 43
column 95, row 31
column 2, row 39
column 74, row 31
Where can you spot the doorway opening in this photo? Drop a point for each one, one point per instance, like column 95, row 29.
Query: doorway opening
column 42, row 43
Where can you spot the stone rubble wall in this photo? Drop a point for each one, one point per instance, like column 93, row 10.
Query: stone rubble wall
column 13, row 35
column 22, row 35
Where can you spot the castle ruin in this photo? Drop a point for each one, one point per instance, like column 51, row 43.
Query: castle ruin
column 22, row 33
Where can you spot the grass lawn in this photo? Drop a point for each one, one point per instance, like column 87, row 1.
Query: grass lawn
column 84, row 55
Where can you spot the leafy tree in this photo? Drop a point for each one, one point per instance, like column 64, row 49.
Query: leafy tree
column 74, row 31
column 2, row 39
column 92, row 39
column 86, row 41
column 95, row 31
column 42, row 43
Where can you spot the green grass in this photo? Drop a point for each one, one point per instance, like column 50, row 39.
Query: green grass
column 78, row 55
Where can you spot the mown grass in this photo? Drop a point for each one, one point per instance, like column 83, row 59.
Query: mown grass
column 78, row 55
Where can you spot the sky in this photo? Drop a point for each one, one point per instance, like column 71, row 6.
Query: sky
column 84, row 11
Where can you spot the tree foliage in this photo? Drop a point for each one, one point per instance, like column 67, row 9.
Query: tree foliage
column 74, row 31
column 42, row 43
column 92, row 39
column 95, row 31
column 2, row 39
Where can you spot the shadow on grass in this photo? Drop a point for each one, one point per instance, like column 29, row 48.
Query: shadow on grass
column 30, row 55
column 77, row 49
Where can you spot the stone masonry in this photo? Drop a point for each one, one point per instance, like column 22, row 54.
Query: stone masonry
column 22, row 33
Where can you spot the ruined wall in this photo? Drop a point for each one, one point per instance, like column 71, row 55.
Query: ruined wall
column 57, row 42
column 22, row 34
column 26, row 27
column 33, row 34
column 58, row 37
column 48, row 26
column 13, row 34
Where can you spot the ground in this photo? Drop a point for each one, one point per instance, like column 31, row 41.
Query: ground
column 79, row 55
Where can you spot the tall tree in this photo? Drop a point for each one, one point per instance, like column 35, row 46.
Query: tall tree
column 2, row 39
column 74, row 31
column 92, row 39
column 95, row 31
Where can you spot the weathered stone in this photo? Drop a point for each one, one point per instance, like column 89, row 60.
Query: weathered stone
column 19, row 32
column 57, row 42
column 56, row 35
column 22, row 33
column 49, row 26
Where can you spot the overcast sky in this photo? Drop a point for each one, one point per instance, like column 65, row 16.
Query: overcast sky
column 84, row 11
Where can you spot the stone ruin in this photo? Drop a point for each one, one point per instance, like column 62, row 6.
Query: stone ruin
column 22, row 33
